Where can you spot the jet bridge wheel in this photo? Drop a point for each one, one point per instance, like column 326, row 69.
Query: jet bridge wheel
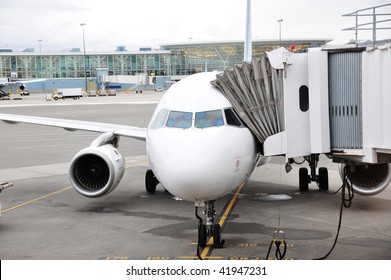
column 304, row 179
column 323, row 179
column 150, row 181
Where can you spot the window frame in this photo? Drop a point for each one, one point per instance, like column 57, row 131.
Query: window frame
column 160, row 119
column 184, row 112
column 235, row 115
column 203, row 127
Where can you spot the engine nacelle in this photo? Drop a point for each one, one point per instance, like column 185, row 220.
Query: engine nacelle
column 96, row 171
column 368, row 179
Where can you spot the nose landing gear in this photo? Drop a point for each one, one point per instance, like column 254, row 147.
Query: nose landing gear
column 209, row 228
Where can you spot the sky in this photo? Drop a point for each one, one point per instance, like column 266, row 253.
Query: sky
column 150, row 23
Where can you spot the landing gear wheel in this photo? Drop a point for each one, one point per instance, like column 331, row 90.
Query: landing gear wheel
column 303, row 179
column 323, row 179
column 217, row 241
column 202, row 236
column 150, row 182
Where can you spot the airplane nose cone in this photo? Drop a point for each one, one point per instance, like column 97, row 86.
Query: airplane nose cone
column 191, row 171
column 195, row 178
column 201, row 165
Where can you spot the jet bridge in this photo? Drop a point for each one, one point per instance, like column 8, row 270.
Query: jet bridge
column 331, row 101
column 255, row 90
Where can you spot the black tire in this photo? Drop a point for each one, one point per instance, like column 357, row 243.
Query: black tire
column 323, row 179
column 202, row 236
column 217, row 241
column 303, row 179
column 150, row 182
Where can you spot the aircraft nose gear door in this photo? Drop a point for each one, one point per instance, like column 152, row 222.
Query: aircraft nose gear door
column 208, row 228
column 150, row 181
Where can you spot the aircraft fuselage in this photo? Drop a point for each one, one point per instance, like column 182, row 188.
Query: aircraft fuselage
column 198, row 148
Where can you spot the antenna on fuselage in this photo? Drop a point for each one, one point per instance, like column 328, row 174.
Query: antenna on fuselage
column 247, row 42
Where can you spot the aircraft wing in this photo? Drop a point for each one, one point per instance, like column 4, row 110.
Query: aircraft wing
column 72, row 125
column 5, row 82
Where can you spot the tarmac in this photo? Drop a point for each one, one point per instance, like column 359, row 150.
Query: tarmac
column 43, row 218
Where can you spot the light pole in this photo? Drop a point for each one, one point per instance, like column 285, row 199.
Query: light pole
column 248, row 49
column 279, row 22
column 84, row 55
column 40, row 45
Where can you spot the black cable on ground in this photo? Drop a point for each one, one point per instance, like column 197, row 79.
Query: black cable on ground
column 278, row 242
column 346, row 201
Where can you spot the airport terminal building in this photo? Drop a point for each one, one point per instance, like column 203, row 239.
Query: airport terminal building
column 168, row 61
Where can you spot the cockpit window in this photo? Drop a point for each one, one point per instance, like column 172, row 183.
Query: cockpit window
column 232, row 118
column 209, row 118
column 179, row 119
column 160, row 119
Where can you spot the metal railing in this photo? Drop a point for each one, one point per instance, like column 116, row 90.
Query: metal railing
column 377, row 18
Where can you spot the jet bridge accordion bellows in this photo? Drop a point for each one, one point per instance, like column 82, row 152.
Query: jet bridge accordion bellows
column 255, row 91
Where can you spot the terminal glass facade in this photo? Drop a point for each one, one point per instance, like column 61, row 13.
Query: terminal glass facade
column 171, row 60
column 71, row 65
column 192, row 58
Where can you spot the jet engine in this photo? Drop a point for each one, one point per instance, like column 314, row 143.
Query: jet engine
column 97, row 170
column 368, row 179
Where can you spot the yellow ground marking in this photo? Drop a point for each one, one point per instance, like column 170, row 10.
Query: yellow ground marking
column 36, row 199
column 231, row 204
column 222, row 220
column 207, row 258
column 138, row 163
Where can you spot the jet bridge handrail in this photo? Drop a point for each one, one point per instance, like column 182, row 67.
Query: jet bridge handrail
column 255, row 91
column 373, row 14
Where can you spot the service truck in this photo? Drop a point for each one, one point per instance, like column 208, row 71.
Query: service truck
column 74, row 93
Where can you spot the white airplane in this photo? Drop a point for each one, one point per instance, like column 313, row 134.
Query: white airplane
column 198, row 149
column 197, row 146
column 7, row 82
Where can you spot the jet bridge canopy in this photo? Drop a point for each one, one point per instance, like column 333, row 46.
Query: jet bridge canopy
column 255, row 91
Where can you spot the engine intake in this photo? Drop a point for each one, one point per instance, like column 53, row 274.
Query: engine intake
column 96, row 171
column 368, row 179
